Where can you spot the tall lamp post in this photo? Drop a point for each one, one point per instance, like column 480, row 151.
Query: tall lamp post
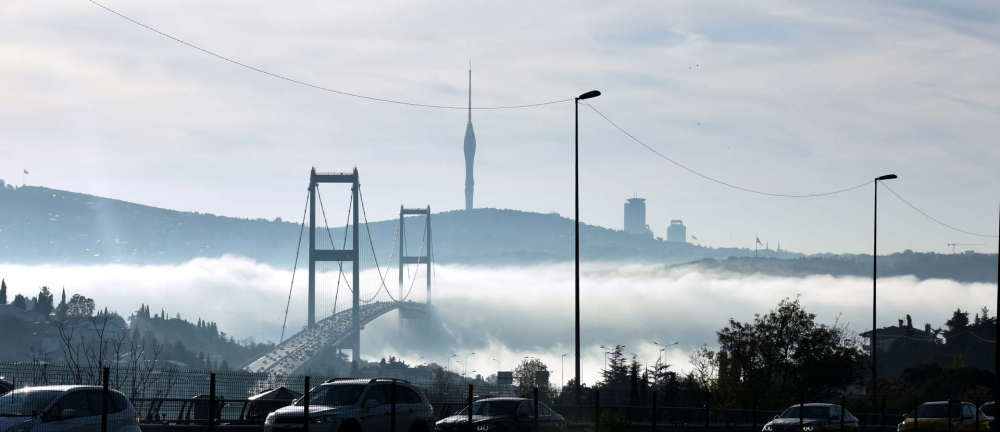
column 996, row 347
column 467, row 362
column 499, row 366
column 875, row 290
column 449, row 362
column 663, row 348
column 576, row 116
column 562, row 373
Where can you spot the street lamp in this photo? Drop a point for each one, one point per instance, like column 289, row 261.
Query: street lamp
column 875, row 288
column 449, row 362
column 418, row 360
column 663, row 348
column 464, row 368
column 562, row 373
column 499, row 367
column 467, row 362
column 576, row 124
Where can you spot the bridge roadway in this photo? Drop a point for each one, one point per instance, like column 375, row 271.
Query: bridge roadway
column 334, row 331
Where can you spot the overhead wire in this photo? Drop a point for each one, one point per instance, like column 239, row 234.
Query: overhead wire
column 933, row 218
column 704, row 176
column 319, row 87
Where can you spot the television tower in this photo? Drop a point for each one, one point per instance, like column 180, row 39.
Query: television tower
column 470, row 150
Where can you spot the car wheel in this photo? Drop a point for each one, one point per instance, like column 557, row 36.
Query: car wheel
column 350, row 427
column 420, row 426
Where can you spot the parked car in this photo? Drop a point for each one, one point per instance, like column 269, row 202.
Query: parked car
column 504, row 414
column 5, row 386
column 934, row 416
column 989, row 409
column 814, row 417
column 357, row 405
column 65, row 408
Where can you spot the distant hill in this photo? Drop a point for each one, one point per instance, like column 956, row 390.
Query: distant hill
column 959, row 267
column 42, row 225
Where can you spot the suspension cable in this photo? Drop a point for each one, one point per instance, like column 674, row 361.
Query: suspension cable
column 302, row 228
column 706, row 177
column 372, row 243
column 420, row 254
column 318, row 87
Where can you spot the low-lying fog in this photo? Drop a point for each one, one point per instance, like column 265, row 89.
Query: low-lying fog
column 508, row 313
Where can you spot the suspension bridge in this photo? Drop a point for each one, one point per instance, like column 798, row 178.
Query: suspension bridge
column 356, row 269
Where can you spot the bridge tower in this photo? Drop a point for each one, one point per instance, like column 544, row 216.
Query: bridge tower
column 336, row 255
column 428, row 252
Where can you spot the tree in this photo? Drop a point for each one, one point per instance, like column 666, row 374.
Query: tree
column 616, row 375
column 525, row 374
column 62, row 308
column 958, row 323
column 80, row 306
column 20, row 302
column 44, row 303
column 782, row 354
column 3, row 291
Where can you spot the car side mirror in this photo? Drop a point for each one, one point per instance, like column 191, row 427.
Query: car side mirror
column 776, row 417
column 67, row 413
column 371, row 403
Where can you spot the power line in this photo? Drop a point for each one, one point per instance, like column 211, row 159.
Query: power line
column 319, row 87
column 932, row 218
column 692, row 171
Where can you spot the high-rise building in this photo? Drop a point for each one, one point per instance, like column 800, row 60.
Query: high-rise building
column 470, row 151
column 635, row 217
column 677, row 232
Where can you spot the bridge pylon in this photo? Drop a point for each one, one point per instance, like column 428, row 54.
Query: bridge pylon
column 336, row 255
column 425, row 256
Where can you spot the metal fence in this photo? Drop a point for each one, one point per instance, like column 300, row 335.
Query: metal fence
column 167, row 397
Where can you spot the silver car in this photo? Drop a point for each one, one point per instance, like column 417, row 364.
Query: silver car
column 64, row 408
column 357, row 405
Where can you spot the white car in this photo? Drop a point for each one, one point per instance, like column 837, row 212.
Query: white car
column 357, row 405
column 64, row 408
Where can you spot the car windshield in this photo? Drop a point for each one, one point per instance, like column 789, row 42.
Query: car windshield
column 26, row 402
column 493, row 408
column 937, row 411
column 990, row 409
column 812, row 412
column 334, row 395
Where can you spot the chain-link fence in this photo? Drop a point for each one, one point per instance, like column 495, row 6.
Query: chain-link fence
column 167, row 397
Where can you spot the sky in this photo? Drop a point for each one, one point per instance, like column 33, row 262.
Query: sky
column 784, row 97
column 507, row 314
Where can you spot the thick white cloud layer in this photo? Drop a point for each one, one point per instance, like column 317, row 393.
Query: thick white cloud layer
column 509, row 313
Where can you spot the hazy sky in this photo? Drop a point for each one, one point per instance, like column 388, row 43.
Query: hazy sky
column 783, row 97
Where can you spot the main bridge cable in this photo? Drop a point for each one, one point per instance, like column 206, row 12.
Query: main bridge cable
column 294, row 267
column 319, row 87
column 692, row 171
column 420, row 254
column 372, row 244
column 340, row 276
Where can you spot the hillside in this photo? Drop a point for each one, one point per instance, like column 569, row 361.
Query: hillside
column 41, row 225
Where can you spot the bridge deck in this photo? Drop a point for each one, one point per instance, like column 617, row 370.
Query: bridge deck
column 336, row 330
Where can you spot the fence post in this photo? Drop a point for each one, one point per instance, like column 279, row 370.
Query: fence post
column 392, row 409
column 305, row 404
column 104, row 400
column 536, row 408
column 843, row 410
column 654, row 411
column 753, row 422
column 471, row 428
column 949, row 413
column 882, row 420
column 802, row 411
column 708, row 409
column 597, row 410
column 211, row 402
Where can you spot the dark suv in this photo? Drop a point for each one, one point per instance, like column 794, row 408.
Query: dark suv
column 356, row 405
column 505, row 414
column 65, row 408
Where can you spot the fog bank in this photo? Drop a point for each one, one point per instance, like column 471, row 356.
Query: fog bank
column 509, row 313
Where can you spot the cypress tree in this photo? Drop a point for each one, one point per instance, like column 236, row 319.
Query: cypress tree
column 3, row 291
